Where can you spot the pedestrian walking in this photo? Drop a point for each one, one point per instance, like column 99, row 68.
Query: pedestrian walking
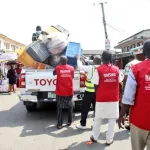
column 12, row 76
column 132, row 61
column 89, row 95
column 64, row 91
column 106, row 79
column 137, row 97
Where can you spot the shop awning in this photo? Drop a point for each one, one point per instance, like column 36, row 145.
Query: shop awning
column 5, row 56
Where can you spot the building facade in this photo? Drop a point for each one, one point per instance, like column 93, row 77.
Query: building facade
column 9, row 45
column 95, row 52
column 134, row 41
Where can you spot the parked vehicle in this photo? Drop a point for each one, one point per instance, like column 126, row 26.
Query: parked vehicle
column 38, row 86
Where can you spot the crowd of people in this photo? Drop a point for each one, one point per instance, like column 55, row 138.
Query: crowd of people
column 103, row 88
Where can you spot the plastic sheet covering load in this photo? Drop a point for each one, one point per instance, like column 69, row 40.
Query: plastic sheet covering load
column 56, row 43
column 28, row 61
column 38, row 51
column 54, row 60
column 72, row 50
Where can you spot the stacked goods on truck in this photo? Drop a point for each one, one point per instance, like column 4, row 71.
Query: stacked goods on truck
column 47, row 48
column 37, row 82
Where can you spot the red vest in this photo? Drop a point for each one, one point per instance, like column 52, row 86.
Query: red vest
column 64, row 84
column 108, row 88
column 140, row 112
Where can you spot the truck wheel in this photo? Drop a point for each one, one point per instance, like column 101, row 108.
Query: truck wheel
column 31, row 108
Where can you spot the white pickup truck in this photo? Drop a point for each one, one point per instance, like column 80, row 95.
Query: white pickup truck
column 38, row 86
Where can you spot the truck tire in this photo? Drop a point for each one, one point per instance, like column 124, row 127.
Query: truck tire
column 31, row 108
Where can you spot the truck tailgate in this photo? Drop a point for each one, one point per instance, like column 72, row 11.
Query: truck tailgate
column 45, row 81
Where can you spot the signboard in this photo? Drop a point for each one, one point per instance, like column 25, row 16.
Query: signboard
column 107, row 44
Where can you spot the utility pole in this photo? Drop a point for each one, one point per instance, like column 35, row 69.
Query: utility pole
column 107, row 41
column 104, row 21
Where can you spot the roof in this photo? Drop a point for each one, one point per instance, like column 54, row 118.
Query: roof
column 120, row 55
column 133, row 36
column 4, row 36
column 126, row 43
column 95, row 52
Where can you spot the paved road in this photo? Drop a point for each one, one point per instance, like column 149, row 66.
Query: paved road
column 20, row 130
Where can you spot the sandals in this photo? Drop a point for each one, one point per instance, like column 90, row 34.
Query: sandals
column 92, row 140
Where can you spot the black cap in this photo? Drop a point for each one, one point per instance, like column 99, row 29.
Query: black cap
column 38, row 28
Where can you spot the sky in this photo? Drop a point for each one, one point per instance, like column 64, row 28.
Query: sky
column 19, row 18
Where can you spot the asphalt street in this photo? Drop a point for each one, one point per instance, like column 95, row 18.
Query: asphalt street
column 20, row 130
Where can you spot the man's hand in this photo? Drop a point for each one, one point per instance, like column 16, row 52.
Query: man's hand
column 123, row 111
column 77, row 56
column 121, row 122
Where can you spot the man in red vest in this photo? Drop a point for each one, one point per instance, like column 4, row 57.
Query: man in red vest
column 137, row 97
column 64, row 90
column 106, row 79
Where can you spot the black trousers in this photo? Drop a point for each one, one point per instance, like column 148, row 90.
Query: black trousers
column 60, row 115
column 89, row 98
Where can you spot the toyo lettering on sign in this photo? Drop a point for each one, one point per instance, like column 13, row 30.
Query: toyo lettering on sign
column 44, row 82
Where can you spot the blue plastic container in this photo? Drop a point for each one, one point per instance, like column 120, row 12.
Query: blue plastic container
column 72, row 50
column 72, row 61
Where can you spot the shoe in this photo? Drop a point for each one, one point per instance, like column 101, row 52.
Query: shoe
column 69, row 123
column 108, row 144
column 81, row 127
column 59, row 127
column 127, row 127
